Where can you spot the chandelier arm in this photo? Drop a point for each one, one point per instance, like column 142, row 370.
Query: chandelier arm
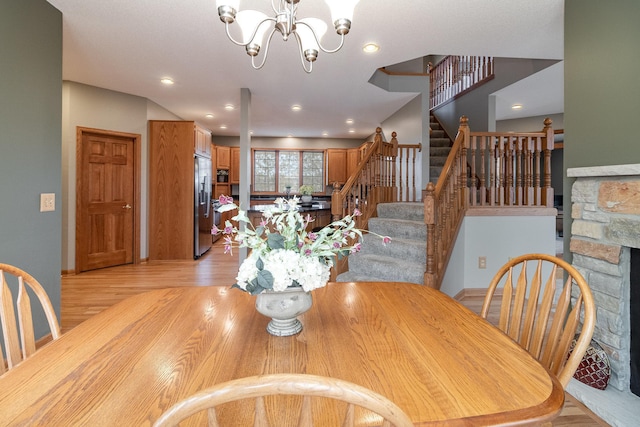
column 226, row 26
column 322, row 48
column 265, row 53
column 302, row 59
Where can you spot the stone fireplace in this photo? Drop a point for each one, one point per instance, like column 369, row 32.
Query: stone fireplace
column 605, row 231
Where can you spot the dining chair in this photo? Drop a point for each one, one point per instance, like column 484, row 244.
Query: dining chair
column 19, row 340
column 304, row 385
column 544, row 328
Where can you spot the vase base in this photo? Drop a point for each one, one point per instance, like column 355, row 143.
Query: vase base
column 284, row 328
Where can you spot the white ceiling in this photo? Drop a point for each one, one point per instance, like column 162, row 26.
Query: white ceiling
column 128, row 46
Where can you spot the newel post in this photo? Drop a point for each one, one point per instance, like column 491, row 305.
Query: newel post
column 336, row 203
column 429, row 220
column 547, row 148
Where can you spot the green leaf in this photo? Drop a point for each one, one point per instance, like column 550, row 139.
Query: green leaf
column 265, row 279
column 260, row 264
column 275, row 241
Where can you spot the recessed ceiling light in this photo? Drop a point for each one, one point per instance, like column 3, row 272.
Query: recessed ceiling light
column 223, row 126
column 516, row 107
column 229, row 107
column 209, row 116
column 352, row 131
column 296, row 107
column 370, row 48
column 166, row 80
column 325, row 133
column 349, row 121
column 289, row 136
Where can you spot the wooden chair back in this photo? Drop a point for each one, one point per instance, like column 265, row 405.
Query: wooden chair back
column 544, row 328
column 19, row 340
column 308, row 386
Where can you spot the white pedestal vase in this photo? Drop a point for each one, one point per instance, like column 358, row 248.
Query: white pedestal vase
column 283, row 308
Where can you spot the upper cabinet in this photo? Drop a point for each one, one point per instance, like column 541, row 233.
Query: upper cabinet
column 223, row 157
column 234, row 173
column 336, row 166
column 202, row 142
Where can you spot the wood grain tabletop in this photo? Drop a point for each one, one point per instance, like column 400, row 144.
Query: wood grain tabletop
column 438, row 361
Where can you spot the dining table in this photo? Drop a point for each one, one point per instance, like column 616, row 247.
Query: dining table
column 437, row 360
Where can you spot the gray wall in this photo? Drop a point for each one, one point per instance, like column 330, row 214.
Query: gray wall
column 30, row 132
column 602, row 88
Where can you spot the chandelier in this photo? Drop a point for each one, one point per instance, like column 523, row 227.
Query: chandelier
column 308, row 31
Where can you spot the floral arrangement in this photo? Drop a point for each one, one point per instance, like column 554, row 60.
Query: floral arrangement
column 283, row 253
column 306, row 190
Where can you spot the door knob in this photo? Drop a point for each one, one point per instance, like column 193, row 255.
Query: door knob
column 127, row 206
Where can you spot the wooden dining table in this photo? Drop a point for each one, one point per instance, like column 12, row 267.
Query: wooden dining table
column 437, row 360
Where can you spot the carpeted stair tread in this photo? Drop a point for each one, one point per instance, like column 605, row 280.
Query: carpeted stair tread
column 439, row 142
column 413, row 211
column 387, row 268
column 401, row 228
column 407, row 249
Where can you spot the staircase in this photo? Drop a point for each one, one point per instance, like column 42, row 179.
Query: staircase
column 439, row 148
column 402, row 260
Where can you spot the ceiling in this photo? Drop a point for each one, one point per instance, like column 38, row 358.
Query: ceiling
column 128, row 46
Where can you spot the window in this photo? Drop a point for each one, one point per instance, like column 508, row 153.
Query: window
column 274, row 170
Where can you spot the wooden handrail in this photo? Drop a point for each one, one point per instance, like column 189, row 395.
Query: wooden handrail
column 492, row 169
column 373, row 181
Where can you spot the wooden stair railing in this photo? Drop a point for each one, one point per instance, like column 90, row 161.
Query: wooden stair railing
column 456, row 75
column 407, row 163
column 372, row 182
column 484, row 170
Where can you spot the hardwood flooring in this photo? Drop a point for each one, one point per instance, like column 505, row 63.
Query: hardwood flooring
column 85, row 294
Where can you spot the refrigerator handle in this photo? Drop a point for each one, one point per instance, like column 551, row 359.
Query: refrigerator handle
column 207, row 184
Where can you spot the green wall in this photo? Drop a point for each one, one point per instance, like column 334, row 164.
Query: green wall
column 602, row 87
column 30, row 141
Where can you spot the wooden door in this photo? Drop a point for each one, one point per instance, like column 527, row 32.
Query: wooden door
column 106, row 200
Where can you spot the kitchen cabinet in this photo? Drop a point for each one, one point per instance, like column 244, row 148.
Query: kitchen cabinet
column 202, row 142
column 223, row 157
column 234, row 173
column 353, row 158
column 172, row 145
column 222, row 183
column 336, row 166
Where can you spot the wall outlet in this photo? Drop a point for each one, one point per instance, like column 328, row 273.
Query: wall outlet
column 482, row 262
column 47, row 202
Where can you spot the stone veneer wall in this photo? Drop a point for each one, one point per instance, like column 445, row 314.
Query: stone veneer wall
column 606, row 223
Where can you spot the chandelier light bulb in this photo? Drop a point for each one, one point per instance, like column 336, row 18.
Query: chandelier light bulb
column 227, row 10
column 342, row 14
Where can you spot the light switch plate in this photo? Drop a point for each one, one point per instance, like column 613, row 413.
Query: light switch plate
column 47, row 202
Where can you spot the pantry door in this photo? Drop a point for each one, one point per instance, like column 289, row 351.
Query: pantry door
column 107, row 199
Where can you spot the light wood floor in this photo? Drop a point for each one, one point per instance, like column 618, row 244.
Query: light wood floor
column 85, row 294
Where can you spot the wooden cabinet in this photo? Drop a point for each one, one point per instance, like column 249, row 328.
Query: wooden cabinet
column 234, row 173
column 202, row 142
column 336, row 166
column 353, row 158
column 223, row 174
column 171, row 187
column 223, row 157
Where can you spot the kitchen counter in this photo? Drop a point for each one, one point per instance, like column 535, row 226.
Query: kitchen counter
column 315, row 206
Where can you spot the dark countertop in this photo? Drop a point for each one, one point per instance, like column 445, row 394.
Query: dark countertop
column 316, row 205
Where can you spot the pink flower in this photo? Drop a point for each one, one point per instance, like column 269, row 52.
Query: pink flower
column 312, row 236
column 356, row 248
column 215, row 230
column 225, row 200
column 228, row 245
column 357, row 212
column 300, row 244
column 263, row 223
column 307, row 252
column 386, row 239
column 228, row 229
column 336, row 245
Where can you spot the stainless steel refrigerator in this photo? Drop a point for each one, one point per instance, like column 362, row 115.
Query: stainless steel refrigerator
column 203, row 214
